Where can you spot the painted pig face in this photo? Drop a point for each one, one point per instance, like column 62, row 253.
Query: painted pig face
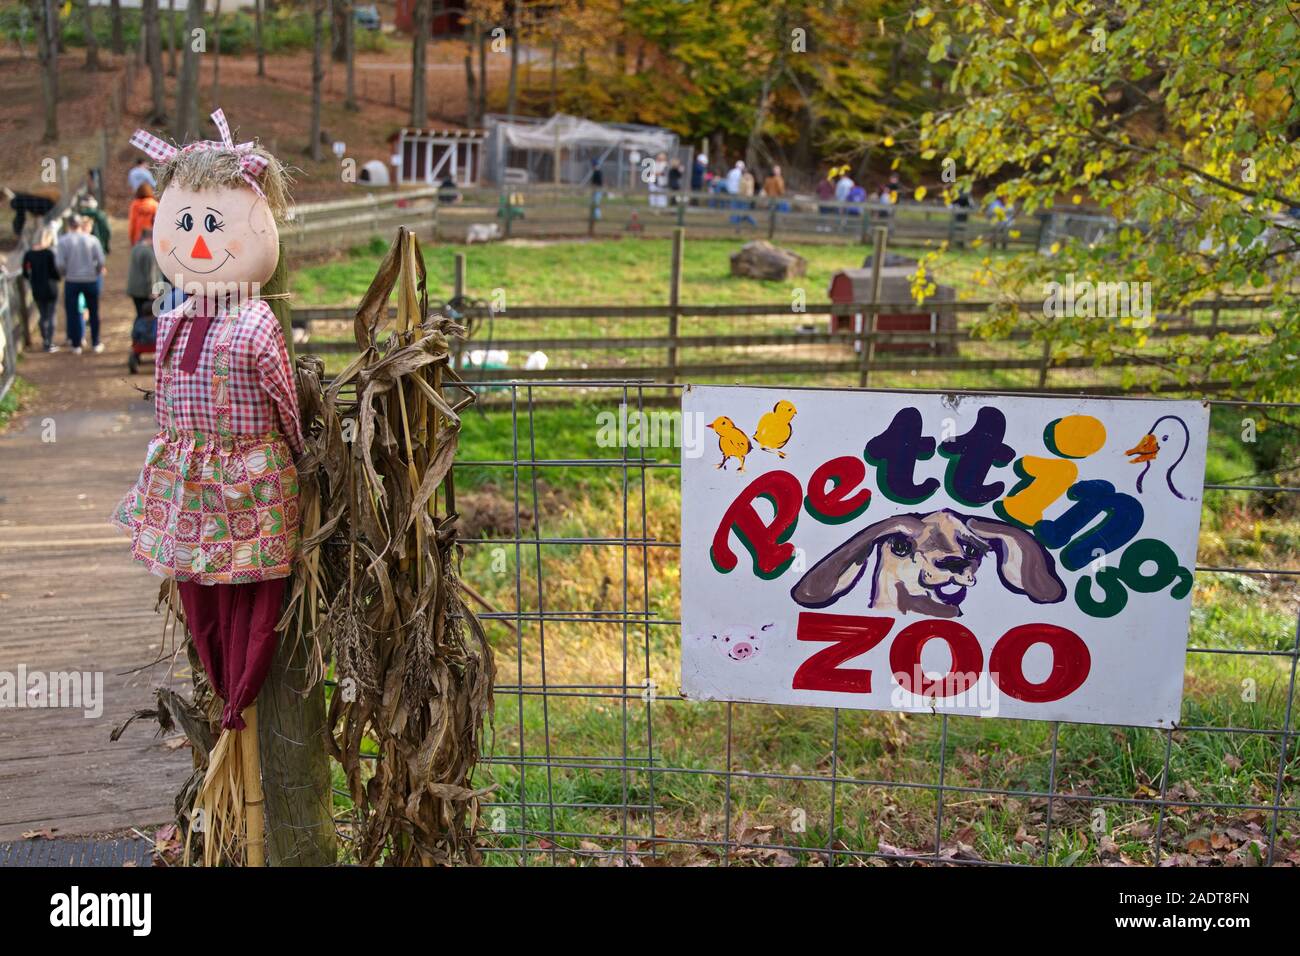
column 210, row 241
column 740, row 643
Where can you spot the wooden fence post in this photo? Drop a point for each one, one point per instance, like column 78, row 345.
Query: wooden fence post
column 771, row 222
column 880, row 236
column 457, row 295
column 675, row 300
column 1045, row 364
column 295, row 764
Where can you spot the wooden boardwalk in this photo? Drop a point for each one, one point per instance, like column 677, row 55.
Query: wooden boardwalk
column 70, row 599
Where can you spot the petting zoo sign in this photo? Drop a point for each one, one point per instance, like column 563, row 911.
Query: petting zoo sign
column 991, row 555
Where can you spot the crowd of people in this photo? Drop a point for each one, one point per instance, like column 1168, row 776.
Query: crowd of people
column 72, row 253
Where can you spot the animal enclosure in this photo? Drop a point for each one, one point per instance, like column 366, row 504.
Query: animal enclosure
column 572, row 535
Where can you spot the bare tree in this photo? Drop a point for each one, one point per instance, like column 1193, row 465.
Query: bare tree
column 317, row 73
column 116, row 18
column 257, row 37
column 419, row 62
column 350, row 54
column 471, row 101
column 186, row 126
column 555, row 68
column 92, row 44
column 216, row 55
column 171, row 38
column 115, row 6
column 46, row 19
column 482, row 69
column 340, row 11
column 512, row 91
column 153, row 56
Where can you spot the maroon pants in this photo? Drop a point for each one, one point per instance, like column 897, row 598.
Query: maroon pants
column 233, row 628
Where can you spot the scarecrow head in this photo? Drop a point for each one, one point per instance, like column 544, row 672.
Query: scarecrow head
column 215, row 233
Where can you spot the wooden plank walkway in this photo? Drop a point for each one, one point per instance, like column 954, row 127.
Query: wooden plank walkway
column 70, row 599
column 99, row 853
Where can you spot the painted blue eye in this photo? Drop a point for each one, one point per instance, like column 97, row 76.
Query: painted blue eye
column 211, row 223
column 186, row 222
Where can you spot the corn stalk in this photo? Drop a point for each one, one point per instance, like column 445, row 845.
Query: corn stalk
column 378, row 587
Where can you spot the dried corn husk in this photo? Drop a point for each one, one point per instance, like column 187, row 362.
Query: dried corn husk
column 377, row 588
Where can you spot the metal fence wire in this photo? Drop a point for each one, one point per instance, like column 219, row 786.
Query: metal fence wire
column 595, row 756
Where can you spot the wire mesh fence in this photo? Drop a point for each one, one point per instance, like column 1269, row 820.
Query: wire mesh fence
column 571, row 534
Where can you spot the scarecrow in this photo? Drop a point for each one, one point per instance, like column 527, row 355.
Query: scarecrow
column 216, row 505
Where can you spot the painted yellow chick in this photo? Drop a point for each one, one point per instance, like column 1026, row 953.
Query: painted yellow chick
column 774, row 428
column 731, row 441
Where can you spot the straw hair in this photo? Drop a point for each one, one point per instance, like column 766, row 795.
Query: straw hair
column 216, row 168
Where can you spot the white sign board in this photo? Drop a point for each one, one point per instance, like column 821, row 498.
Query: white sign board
column 995, row 556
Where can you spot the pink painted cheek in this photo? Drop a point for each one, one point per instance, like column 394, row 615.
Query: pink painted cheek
column 165, row 245
column 235, row 248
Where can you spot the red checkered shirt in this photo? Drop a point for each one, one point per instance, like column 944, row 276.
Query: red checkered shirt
column 263, row 396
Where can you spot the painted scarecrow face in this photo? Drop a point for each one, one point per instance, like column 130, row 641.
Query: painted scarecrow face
column 216, row 242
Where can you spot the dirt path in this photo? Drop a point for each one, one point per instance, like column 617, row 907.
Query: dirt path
column 70, row 600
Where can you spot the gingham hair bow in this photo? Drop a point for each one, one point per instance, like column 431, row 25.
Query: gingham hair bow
column 161, row 151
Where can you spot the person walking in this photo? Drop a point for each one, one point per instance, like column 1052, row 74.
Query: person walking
column 774, row 185
column 843, row 185
column 697, row 172
column 42, row 274
column 733, row 177
column 80, row 258
column 143, row 209
column 142, row 274
column 139, row 175
column 747, row 184
column 675, row 176
column 90, row 210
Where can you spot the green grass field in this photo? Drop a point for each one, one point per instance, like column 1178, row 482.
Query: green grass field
column 629, row 272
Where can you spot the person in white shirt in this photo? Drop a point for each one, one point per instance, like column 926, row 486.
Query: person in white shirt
column 733, row 177
column 843, row 186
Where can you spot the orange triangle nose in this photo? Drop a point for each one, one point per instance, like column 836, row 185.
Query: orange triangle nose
column 200, row 250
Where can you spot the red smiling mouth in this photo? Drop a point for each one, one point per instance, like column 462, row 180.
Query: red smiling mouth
column 203, row 272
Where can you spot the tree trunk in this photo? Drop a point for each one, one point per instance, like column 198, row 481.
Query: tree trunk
column 317, row 73
column 756, row 130
column 512, row 91
column 186, row 127
column 555, row 73
column 419, row 59
column 350, row 54
column 153, row 56
column 46, row 19
column 171, row 37
column 116, row 7
column 92, row 45
column 257, row 38
column 482, row 39
column 340, row 12
column 471, row 97
column 216, row 56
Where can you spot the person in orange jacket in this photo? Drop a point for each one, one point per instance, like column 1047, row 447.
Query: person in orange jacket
column 143, row 208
